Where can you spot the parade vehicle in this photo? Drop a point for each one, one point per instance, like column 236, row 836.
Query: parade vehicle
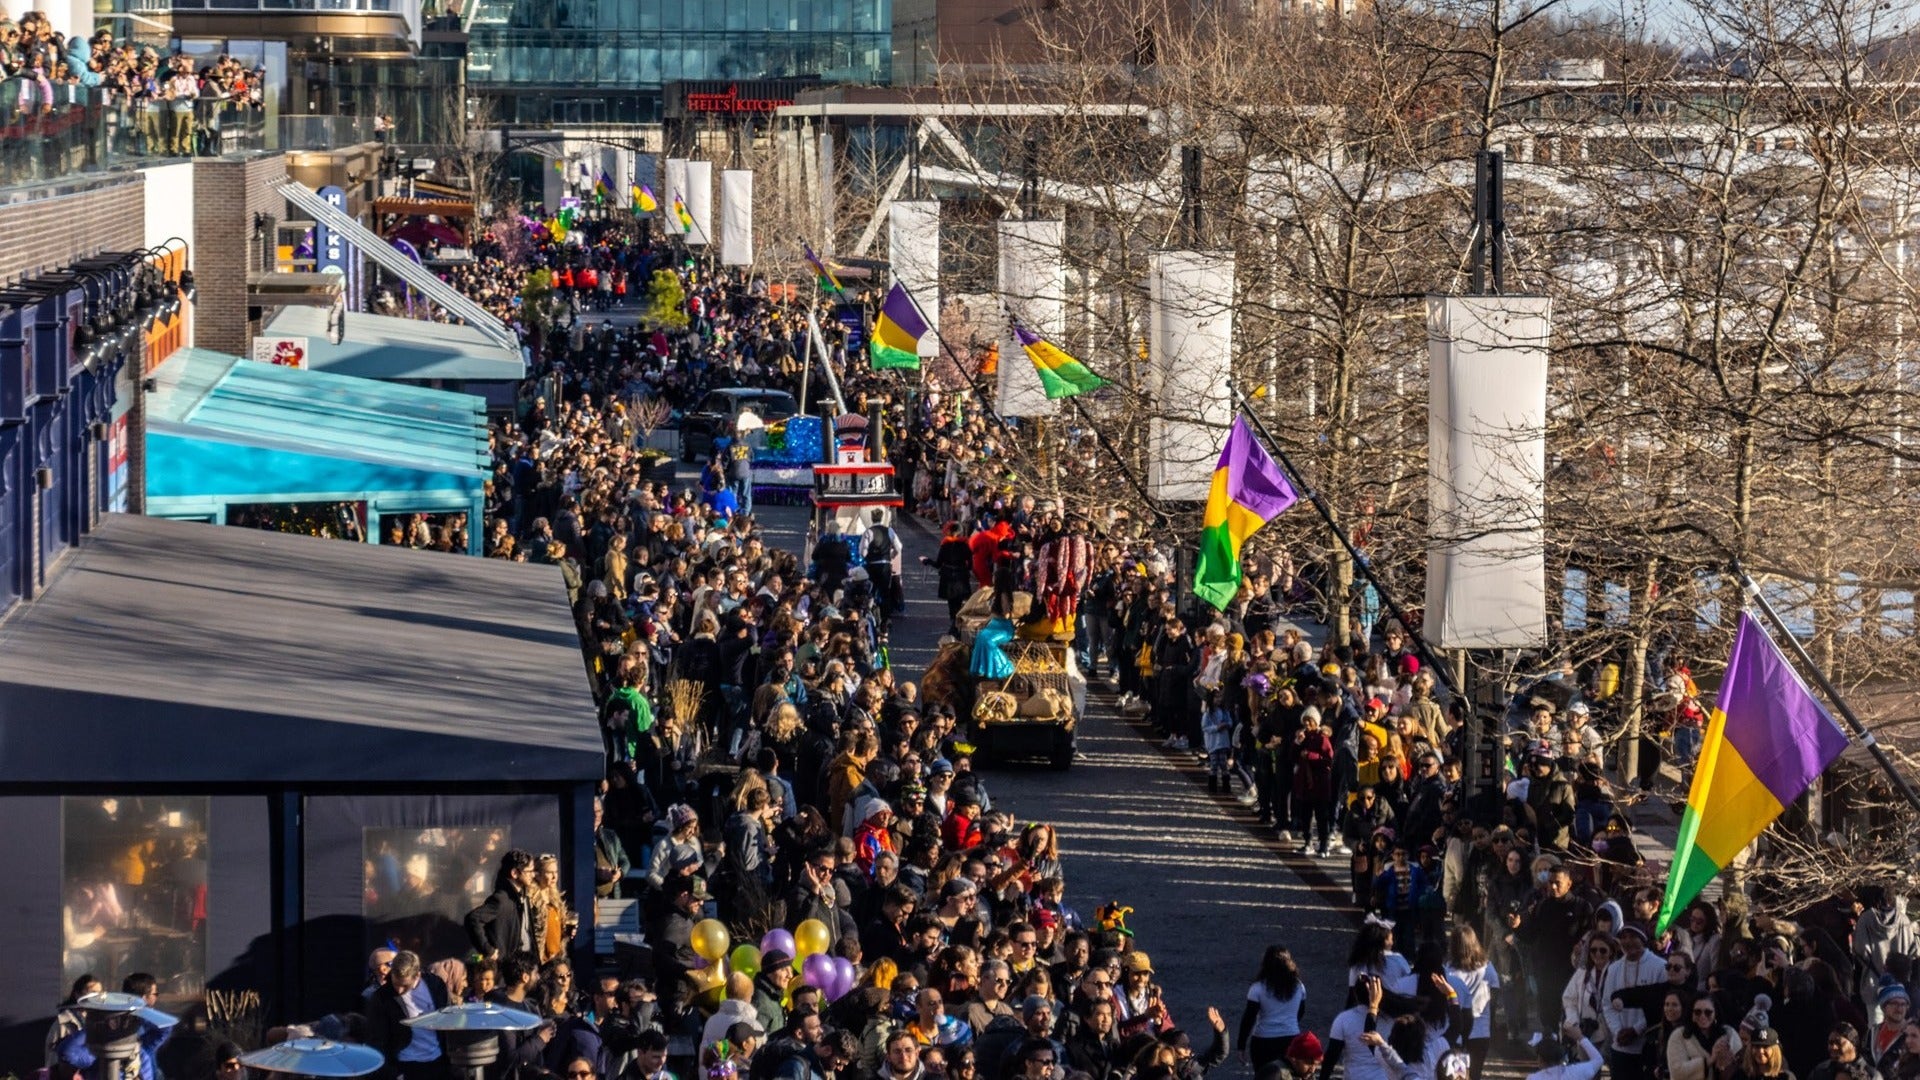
column 852, row 484
column 718, row 416
column 1018, row 692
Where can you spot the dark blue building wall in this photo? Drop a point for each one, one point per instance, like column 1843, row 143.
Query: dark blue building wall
column 63, row 338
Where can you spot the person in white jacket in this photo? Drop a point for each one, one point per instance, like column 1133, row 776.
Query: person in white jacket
column 1637, row 966
column 1581, row 999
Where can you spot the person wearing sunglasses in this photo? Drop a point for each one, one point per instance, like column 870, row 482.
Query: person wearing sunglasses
column 1039, row 1060
column 1703, row 1048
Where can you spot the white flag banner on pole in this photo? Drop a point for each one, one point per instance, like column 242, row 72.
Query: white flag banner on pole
column 700, row 202
column 676, row 180
column 1486, row 471
column 1033, row 285
column 913, row 247
column 1191, row 345
column 736, row 217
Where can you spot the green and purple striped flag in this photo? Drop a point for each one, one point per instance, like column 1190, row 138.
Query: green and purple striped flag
column 1767, row 739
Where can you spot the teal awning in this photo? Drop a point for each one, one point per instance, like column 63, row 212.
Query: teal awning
column 223, row 429
column 383, row 347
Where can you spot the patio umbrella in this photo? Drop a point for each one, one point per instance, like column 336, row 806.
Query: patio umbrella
column 316, row 1057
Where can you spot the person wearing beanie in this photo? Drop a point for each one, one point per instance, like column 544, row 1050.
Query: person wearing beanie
column 1894, row 1006
column 1636, row 967
column 1303, row 1055
column 1845, row 1060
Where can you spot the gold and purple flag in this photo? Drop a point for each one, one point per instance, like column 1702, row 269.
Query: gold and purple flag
column 898, row 331
column 1248, row 491
column 1061, row 375
column 1767, row 739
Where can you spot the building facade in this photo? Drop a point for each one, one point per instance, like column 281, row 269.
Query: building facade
column 567, row 63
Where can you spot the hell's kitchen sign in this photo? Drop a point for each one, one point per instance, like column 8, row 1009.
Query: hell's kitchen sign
column 730, row 101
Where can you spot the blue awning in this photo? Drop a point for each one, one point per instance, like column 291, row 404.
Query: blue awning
column 383, row 347
column 221, row 429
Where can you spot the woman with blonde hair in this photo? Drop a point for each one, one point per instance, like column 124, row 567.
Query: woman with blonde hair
column 784, row 728
column 880, row 974
column 614, row 566
column 553, row 921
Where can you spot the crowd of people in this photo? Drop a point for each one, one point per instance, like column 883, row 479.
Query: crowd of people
column 152, row 104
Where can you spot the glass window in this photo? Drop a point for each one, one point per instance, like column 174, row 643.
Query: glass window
column 420, row 884
column 134, row 879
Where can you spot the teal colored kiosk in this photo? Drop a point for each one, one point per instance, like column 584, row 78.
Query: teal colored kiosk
column 228, row 436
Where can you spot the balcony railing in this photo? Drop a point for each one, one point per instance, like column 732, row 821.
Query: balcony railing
column 162, row 6
column 325, row 132
column 51, row 132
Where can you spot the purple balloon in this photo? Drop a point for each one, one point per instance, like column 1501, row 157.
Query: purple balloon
column 778, row 940
column 819, row 972
column 844, row 977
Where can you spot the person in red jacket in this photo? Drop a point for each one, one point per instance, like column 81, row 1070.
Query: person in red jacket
column 961, row 831
column 985, row 545
column 1312, row 778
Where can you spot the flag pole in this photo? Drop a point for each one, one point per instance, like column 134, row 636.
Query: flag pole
column 1752, row 589
column 1360, row 561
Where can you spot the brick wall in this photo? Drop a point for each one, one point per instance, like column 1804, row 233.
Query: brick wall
column 227, row 193
column 46, row 234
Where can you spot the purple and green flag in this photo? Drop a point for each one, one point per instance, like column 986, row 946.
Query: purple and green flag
column 1248, row 491
column 898, row 331
column 1767, row 739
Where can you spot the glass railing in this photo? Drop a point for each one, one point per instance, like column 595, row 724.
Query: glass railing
column 51, row 132
column 161, row 6
column 325, row 132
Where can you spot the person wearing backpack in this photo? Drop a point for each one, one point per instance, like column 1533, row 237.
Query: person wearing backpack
column 881, row 555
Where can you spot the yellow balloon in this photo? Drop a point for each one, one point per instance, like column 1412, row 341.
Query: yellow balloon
column 711, row 940
column 811, row 937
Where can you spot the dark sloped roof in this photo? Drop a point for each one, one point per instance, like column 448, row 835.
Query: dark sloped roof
column 176, row 652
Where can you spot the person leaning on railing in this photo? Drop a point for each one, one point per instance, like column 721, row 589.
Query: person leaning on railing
column 180, row 93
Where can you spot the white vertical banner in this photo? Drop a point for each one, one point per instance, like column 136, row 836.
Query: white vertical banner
column 700, row 202
column 675, row 179
column 1190, row 345
column 829, row 190
column 553, row 186
column 913, row 247
column 1033, row 285
column 736, row 217
column 1486, row 471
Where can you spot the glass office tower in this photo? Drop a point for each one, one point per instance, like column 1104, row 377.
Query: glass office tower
column 571, row 62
